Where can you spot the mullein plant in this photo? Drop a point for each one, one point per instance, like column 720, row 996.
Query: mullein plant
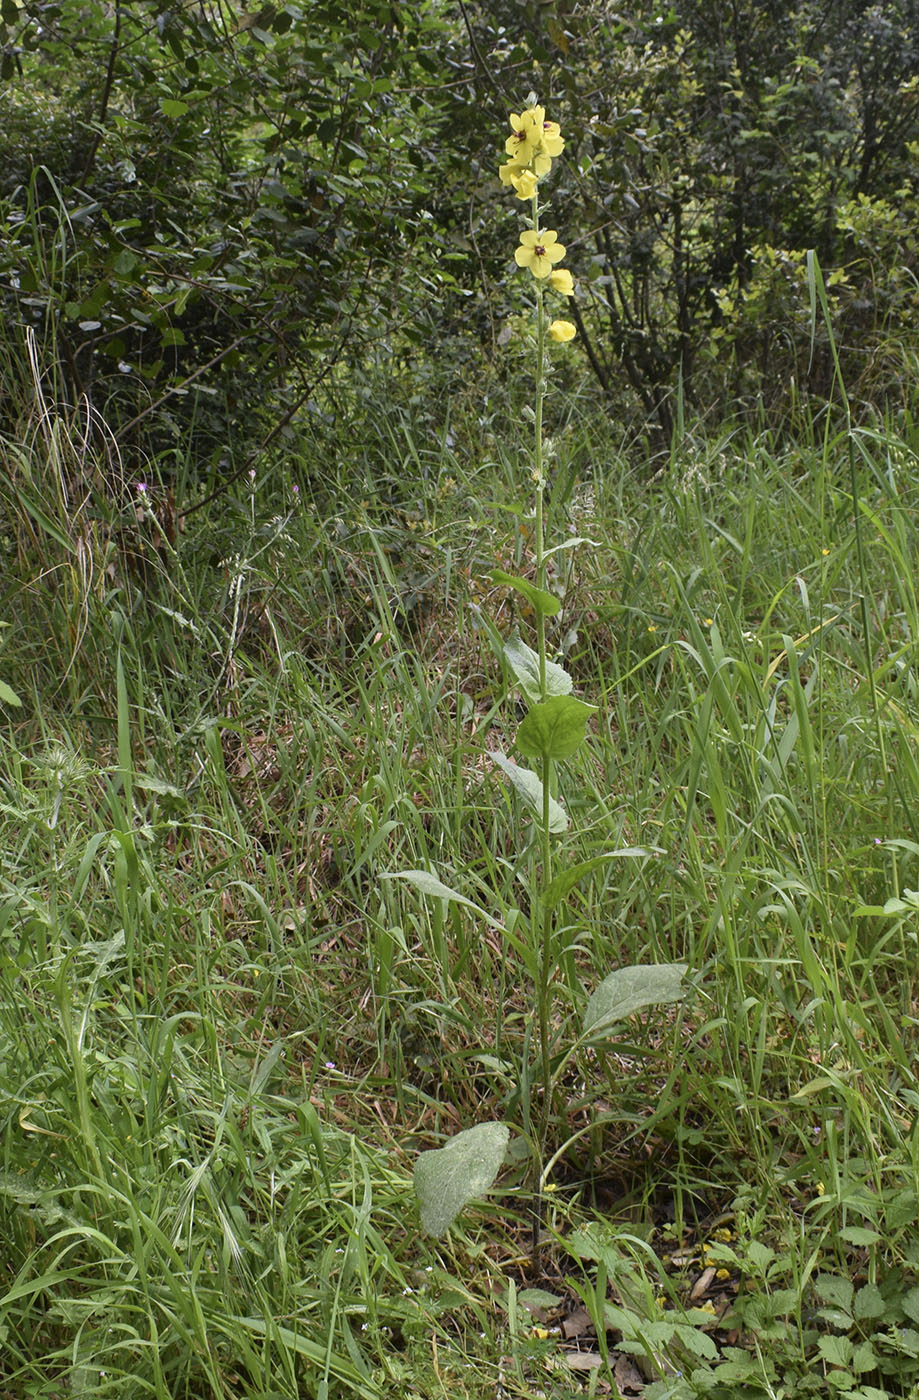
column 551, row 731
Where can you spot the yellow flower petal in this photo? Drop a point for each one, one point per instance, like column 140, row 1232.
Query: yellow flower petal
column 525, row 184
column 561, row 331
column 561, row 280
column 538, row 251
column 510, row 170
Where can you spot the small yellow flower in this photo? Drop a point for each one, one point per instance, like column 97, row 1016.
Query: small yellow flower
column 550, row 145
column 525, row 184
column 824, row 551
column 561, row 280
column 561, row 331
column 538, row 251
column 527, row 134
column 510, row 171
column 821, row 1189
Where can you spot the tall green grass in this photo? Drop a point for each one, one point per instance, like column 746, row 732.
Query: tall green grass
column 223, row 1038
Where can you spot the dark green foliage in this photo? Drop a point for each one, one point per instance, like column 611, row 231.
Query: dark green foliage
column 207, row 209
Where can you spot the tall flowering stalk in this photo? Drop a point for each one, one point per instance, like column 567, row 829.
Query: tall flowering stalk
column 531, row 148
column 553, row 728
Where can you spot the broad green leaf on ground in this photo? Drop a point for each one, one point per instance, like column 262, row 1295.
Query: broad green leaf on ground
column 565, row 881
column 530, row 788
column 630, row 988
column 554, row 728
column 542, row 602
column 7, row 696
column 524, row 662
column 449, row 1178
column 430, row 885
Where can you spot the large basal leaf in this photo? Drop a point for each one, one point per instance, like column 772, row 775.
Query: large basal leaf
column 554, row 728
column 430, row 885
column 449, row 1178
column 539, row 600
column 628, row 989
column 524, row 662
column 529, row 786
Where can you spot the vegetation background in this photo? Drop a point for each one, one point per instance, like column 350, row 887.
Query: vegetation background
column 264, row 374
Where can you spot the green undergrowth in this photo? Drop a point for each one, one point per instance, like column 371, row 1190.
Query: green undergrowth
column 224, row 1038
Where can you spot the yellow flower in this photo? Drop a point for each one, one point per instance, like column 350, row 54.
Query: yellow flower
column 552, row 142
column 510, row 171
column 562, row 331
column 527, row 128
column 550, row 145
column 561, row 280
column 525, row 184
column 538, row 251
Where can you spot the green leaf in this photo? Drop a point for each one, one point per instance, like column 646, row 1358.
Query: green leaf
column 7, row 696
column 572, row 544
column 565, row 881
column 837, row 1291
column 538, row 1298
column 864, row 1358
column 539, row 600
column 430, row 885
column 554, row 728
column 449, row 1178
column 869, row 1303
column 524, row 662
column 836, row 1350
column 910, row 1304
column 172, row 107
column 630, row 988
column 530, row 788
column 858, row 1235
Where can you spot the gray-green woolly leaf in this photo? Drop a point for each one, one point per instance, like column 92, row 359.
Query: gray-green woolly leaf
column 524, row 662
column 430, row 885
column 554, row 728
column 572, row 544
column 539, row 600
column 529, row 786
column 628, row 989
column 449, row 1178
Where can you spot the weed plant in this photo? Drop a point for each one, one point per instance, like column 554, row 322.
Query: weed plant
column 225, row 1039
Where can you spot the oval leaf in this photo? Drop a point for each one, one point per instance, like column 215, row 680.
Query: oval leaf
column 630, row 988
column 524, row 662
column 449, row 1178
column 430, row 885
column 539, row 600
column 8, row 696
column 554, row 728
column 529, row 786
